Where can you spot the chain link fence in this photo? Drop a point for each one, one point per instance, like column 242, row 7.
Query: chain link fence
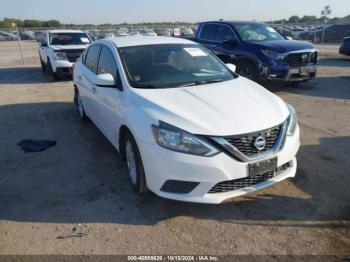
column 20, row 46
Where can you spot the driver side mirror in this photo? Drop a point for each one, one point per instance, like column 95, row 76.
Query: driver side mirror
column 105, row 80
column 231, row 67
column 230, row 40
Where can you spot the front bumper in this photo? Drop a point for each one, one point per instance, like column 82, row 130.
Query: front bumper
column 162, row 165
column 292, row 74
column 59, row 66
column 64, row 71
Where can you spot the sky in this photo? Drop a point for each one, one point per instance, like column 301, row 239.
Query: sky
column 131, row 11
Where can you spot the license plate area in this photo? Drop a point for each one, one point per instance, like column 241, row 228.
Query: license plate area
column 262, row 167
column 303, row 71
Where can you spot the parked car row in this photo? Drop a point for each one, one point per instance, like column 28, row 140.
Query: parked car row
column 6, row 36
column 317, row 34
column 163, row 31
column 24, row 35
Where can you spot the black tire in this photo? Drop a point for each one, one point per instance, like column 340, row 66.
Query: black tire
column 79, row 104
column 50, row 73
column 139, row 182
column 43, row 67
column 247, row 69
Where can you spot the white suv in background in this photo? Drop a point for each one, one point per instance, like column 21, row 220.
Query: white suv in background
column 59, row 49
column 188, row 127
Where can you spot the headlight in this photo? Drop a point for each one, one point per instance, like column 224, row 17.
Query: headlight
column 60, row 56
column 273, row 54
column 292, row 122
column 175, row 139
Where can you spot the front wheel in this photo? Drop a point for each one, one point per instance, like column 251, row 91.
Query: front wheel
column 134, row 164
column 43, row 67
column 247, row 69
column 79, row 103
column 50, row 73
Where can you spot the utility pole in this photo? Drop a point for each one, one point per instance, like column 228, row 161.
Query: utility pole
column 19, row 41
column 324, row 13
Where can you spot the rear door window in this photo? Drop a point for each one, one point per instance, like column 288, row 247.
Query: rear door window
column 92, row 56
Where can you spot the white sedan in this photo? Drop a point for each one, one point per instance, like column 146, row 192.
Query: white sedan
column 188, row 127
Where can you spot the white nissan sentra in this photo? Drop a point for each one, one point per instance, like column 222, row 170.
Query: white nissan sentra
column 188, row 127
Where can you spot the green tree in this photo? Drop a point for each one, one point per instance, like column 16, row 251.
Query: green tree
column 7, row 22
column 32, row 23
column 294, row 19
column 308, row 19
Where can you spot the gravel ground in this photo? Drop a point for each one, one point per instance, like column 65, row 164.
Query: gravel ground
column 75, row 198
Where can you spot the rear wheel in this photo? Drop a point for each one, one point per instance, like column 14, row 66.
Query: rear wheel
column 248, row 70
column 134, row 164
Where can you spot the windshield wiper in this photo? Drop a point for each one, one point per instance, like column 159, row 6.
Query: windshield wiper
column 202, row 82
column 214, row 80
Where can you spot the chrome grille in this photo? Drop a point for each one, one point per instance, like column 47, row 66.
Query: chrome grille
column 245, row 143
column 73, row 56
column 301, row 59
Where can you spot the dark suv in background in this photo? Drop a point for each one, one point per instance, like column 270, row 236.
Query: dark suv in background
column 259, row 51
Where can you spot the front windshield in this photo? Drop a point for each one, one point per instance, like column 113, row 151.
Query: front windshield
column 172, row 65
column 257, row 32
column 69, row 39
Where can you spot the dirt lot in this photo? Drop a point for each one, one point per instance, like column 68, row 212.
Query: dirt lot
column 75, row 198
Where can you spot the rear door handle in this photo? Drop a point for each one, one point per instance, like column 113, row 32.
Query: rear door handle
column 94, row 90
column 79, row 78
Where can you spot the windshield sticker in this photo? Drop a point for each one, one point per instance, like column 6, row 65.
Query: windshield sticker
column 137, row 78
column 85, row 40
column 193, row 51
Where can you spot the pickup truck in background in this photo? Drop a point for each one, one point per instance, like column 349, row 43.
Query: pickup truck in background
column 259, row 51
column 59, row 49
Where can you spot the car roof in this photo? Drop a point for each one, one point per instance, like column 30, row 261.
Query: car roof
column 64, row 31
column 124, row 41
column 232, row 22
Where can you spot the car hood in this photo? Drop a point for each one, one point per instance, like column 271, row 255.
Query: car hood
column 67, row 47
column 232, row 107
column 284, row 46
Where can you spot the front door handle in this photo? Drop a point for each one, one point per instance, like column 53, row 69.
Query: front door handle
column 94, row 90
